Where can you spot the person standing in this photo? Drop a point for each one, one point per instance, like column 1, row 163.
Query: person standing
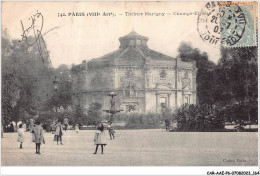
column 58, row 133
column 15, row 126
column 38, row 136
column 99, row 139
column 53, row 127
column 31, row 125
column 20, row 132
column 110, row 130
column 167, row 124
column 66, row 123
column 2, row 130
column 11, row 127
column 33, row 136
column 24, row 126
column 77, row 128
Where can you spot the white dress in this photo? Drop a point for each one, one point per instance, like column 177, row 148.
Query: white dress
column 20, row 132
column 100, row 138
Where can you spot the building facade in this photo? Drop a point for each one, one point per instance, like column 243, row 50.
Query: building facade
column 143, row 79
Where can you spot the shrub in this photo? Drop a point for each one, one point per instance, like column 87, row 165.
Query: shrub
column 139, row 121
column 199, row 118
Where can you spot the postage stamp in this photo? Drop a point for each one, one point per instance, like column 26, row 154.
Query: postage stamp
column 228, row 24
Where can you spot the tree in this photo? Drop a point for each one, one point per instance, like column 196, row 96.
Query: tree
column 10, row 82
column 206, row 76
column 237, row 81
column 238, row 71
column 93, row 114
column 62, row 95
column 26, row 80
column 35, row 77
column 78, row 82
column 200, row 118
column 232, row 84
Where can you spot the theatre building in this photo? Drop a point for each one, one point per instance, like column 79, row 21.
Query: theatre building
column 143, row 79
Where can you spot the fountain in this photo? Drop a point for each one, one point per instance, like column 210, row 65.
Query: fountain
column 112, row 111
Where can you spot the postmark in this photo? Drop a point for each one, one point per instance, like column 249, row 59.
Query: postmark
column 227, row 24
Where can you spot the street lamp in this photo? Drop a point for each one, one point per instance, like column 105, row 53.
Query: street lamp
column 56, row 87
column 56, row 83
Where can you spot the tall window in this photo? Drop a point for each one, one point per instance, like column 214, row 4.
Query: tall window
column 163, row 102
column 186, row 100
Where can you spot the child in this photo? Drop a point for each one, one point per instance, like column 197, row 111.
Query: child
column 53, row 128
column 20, row 132
column 24, row 126
column 111, row 130
column 58, row 132
column 38, row 136
column 100, row 138
column 32, row 132
column 77, row 128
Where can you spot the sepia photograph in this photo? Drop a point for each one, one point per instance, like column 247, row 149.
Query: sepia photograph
column 129, row 83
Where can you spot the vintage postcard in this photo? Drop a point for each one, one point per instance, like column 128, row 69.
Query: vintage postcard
column 129, row 83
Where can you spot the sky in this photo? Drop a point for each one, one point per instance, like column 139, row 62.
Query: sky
column 72, row 39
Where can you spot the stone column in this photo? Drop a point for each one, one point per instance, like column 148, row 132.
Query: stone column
column 169, row 102
column 156, row 94
column 176, row 100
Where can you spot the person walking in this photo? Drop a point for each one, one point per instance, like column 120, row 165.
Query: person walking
column 58, row 133
column 66, row 123
column 20, row 132
column 99, row 138
column 38, row 136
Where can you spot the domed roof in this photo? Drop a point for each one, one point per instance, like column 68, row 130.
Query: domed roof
column 133, row 50
column 132, row 40
column 134, row 35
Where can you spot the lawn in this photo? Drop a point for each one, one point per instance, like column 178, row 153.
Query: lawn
column 136, row 148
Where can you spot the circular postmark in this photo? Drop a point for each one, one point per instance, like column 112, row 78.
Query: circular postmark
column 221, row 23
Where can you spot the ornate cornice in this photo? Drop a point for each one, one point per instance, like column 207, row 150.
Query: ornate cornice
column 184, row 68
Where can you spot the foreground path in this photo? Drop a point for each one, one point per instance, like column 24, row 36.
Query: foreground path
column 136, row 148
